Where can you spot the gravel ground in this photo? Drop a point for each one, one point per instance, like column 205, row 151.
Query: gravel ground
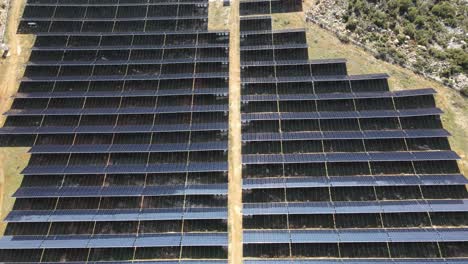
column 3, row 17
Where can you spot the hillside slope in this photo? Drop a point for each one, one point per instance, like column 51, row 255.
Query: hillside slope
column 427, row 36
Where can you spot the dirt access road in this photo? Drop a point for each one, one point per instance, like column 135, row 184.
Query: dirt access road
column 235, row 159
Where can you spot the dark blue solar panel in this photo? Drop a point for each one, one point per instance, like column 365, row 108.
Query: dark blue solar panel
column 13, row 242
column 348, row 157
column 128, row 148
column 420, row 112
column 205, row 239
column 274, row 47
column 162, row 240
column 112, row 129
column 340, row 181
column 212, row 189
column 126, row 62
column 356, row 207
column 265, row 208
column 354, row 236
column 435, row 155
column 151, row 168
column 340, row 114
column 415, row 133
column 128, row 77
column 114, row 241
column 117, row 215
column 133, row 148
column 358, row 261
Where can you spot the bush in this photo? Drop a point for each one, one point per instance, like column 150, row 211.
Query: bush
column 439, row 54
column 458, row 58
column 379, row 19
column 409, row 30
column 422, row 37
column 404, row 5
column 444, row 10
column 401, row 38
column 419, row 21
column 413, row 12
column 352, row 24
column 343, row 38
column 464, row 91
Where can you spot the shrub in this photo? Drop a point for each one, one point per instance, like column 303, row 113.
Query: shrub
column 379, row 19
column 422, row 37
column 458, row 58
column 404, row 5
column 444, row 10
column 343, row 38
column 464, row 91
column 419, row 21
column 352, row 24
column 401, row 38
column 439, row 54
column 412, row 13
column 409, row 30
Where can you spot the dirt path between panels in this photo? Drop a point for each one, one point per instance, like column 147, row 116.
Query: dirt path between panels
column 12, row 160
column 235, row 159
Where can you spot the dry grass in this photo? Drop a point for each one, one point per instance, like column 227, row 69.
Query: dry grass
column 218, row 15
column 12, row 160
column 288, row 20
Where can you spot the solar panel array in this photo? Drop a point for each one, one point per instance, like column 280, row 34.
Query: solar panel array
column 125, row 105
column 336, row 168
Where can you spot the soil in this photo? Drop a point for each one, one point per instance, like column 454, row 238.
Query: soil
column 235, row 158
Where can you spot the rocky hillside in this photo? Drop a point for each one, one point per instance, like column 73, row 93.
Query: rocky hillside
column 427, row 36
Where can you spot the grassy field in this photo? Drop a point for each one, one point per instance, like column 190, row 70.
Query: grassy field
column 12, row 160
column 325, row 45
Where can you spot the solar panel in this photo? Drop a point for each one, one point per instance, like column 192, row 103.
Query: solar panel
column 348, row 157
column 336, row 181
column 205, row 239
column 339, row 114
column 116, row 215
column 122, row 148
column 359, row 261
column 352, row 236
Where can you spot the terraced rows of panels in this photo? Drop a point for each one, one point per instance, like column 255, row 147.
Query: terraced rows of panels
column 124, row 104
column 336, row 168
